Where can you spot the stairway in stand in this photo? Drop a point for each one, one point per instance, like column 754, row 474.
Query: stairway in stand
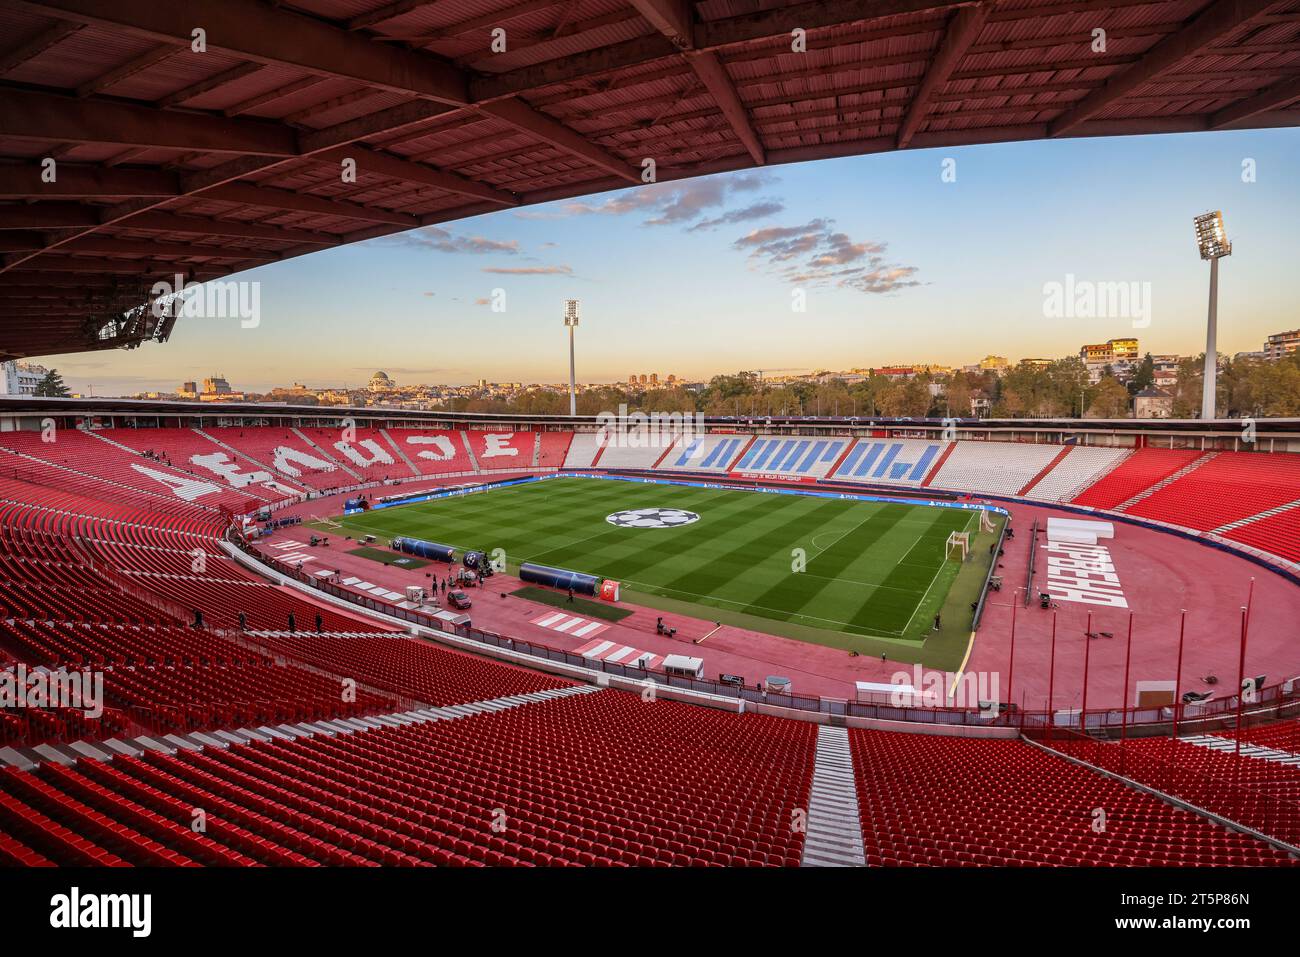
column 834, row 837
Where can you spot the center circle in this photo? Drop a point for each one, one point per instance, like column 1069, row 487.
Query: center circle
column 652, row 518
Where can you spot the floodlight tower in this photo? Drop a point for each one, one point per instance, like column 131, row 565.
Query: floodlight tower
column 1213, row 244
column 571, row 322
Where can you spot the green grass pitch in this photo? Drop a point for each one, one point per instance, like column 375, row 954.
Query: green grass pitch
column 871, row 570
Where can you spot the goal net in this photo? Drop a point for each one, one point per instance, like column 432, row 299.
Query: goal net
column 986, row 521
column 958, row 546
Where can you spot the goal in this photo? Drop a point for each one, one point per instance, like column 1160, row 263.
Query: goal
column 958, row 546
column 986, row 521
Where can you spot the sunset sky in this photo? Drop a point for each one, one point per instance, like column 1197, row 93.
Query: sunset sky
column 696, row 278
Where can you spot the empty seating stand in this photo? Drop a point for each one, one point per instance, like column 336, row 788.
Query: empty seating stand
column 634, row 451
column 1278, row 533
column 997, row 468
column 287, row 455
column 1080, row 467
column 98, row 571
column 704, row 453
column 802, row 458
column 193, row 453
column 890, row 461
column 969, row 802
column 1228, row 488
column 501, row 450
column 1259, row 793
column 363, row 452
column 601, row 779
column 552, row 449
column 434, row 452
column 409, row 666
column 1137, row 473
column 1278, row 735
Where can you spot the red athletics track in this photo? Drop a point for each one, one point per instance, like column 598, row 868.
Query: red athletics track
column 1160, row 575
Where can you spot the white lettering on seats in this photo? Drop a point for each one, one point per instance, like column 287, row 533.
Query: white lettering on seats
column 219, row 463
column 283, row 455
column 496, row 446
column 377, row 454
column 186, row 489
column 446, row 451
column 1084, row 574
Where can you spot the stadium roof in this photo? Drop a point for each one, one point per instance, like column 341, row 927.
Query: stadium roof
column 206, row 163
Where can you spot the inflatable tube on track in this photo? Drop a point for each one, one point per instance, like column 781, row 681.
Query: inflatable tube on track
column 559, row 578
column 413, row 546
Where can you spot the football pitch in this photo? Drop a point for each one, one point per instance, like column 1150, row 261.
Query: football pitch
column 833, row 571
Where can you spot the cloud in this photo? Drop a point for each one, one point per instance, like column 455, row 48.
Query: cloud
column 783, row 243
column 673, row 204
column 759, row 210
column 886, row 279
column 530, row 270
column 443, row 241
column 815, row 254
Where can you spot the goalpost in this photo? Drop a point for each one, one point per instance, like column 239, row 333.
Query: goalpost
column 958, row 546
column 986, row 522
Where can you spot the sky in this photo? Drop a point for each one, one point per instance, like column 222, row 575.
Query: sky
column 940, row 256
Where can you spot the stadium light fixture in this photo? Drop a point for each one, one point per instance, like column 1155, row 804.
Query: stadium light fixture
column 571, row 323
column 1212, row 241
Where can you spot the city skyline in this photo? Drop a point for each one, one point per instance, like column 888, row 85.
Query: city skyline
column 897, row 264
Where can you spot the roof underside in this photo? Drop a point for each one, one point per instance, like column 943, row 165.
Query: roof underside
column 130, row 156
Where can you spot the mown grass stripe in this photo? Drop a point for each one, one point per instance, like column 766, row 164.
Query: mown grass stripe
column 869, row 563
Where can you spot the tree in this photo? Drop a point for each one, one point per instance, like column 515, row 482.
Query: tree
column 1069, row 378
column 52, row 386
column 1110, row 400
column 1036, row 391
column 1256, row 387
column 1187, row 388
column 1144, row 377
column 957, row 395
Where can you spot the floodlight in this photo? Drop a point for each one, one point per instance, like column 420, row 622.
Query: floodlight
column 1213, row 244
column 1211, row 239
column 571, row 322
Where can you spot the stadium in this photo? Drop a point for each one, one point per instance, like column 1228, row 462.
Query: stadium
column 239, row 634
